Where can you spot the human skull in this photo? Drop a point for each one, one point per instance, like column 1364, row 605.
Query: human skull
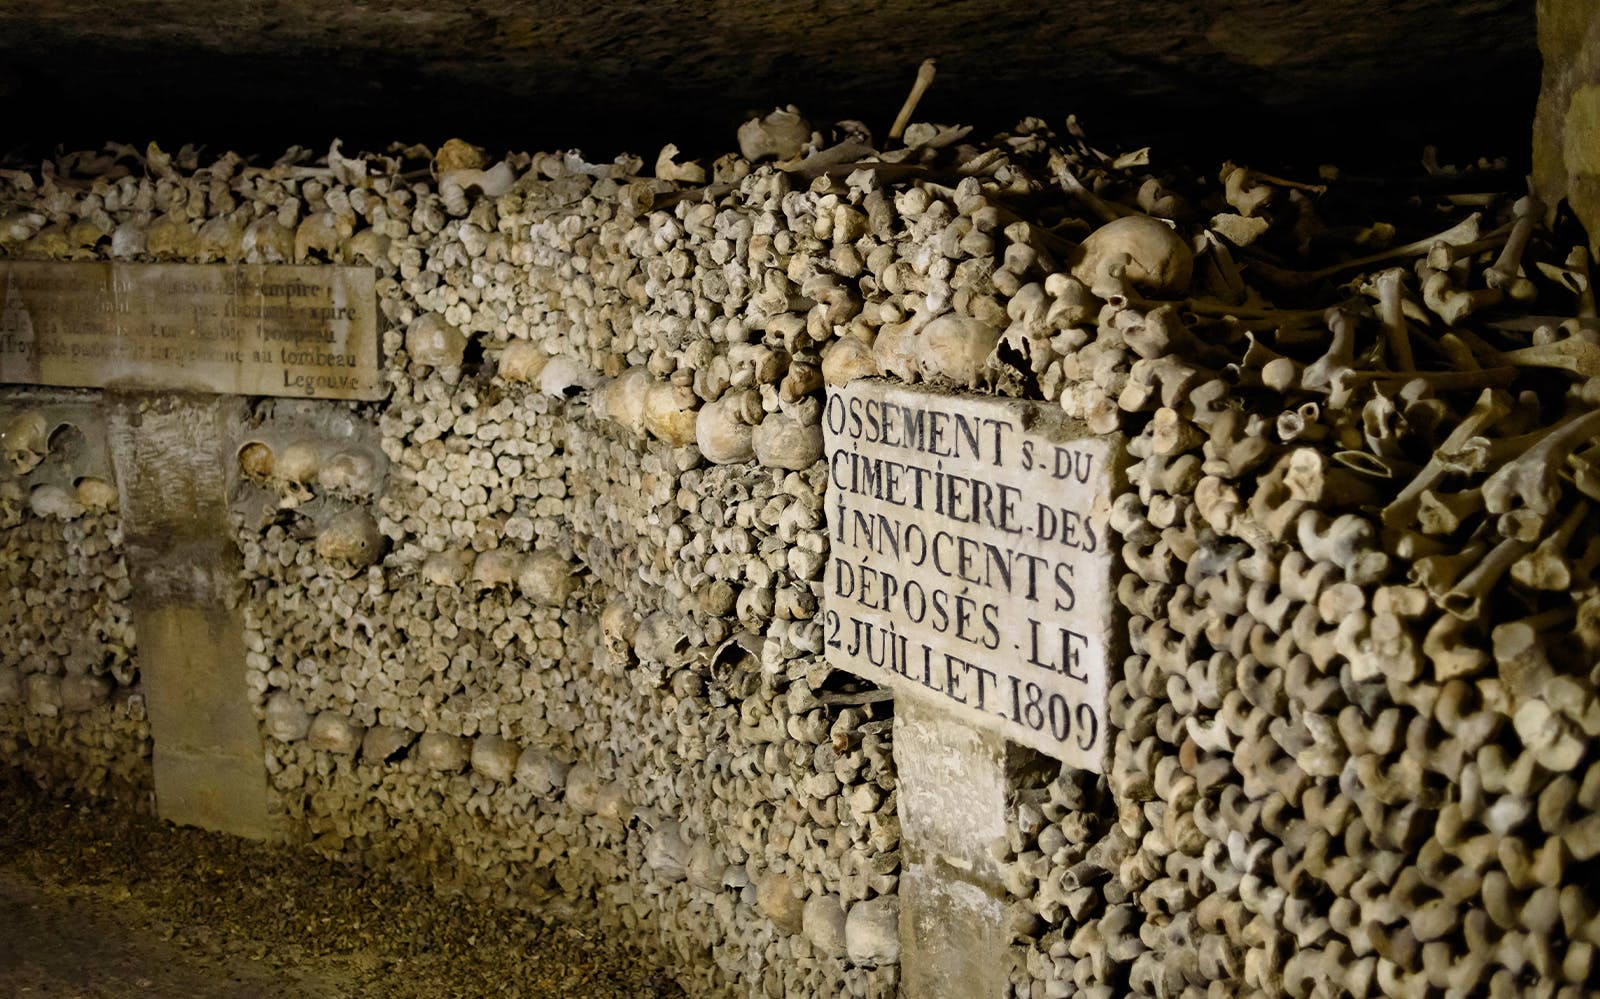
column 54, row 502
column 95, row 493
column 448, row 568
column 256, row 462
column 435, row 343
column 294, row 471
column 349, row 473
column 12, row 502
column 26, row 438
column 286, row 718
column 496, row 568
column 546, row 578
column 351, row 539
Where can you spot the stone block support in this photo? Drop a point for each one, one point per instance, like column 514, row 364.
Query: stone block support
column 952, row 806
column 172, row 455
column 1566, row 127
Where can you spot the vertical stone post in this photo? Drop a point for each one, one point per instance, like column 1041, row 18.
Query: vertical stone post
column 1017, row 672
column 172, row 455
column 1566, row 126
column 954, row 942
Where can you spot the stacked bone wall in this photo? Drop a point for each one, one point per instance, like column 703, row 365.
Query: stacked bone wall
column 1355, row 739
column 71, row 711
column 546, row 622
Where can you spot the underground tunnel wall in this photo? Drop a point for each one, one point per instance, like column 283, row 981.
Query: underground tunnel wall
column 546, row 621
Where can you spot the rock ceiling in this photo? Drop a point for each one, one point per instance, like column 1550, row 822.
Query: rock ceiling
column 626, row 74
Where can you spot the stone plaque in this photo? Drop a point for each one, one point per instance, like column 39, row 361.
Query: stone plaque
column 970, row 563
column 247, row 329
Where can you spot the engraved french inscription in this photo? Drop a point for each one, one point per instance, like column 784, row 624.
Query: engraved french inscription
column 246, row 329
column 969, row 560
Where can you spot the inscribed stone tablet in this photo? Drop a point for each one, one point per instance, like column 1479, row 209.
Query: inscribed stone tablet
column 246, row 329
column 970, row 563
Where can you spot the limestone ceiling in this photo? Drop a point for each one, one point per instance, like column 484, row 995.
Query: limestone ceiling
column 608, row 74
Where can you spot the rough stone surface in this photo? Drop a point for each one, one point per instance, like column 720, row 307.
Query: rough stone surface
column 952, row 788
column 951, row 936
column 953, row 808
column 1566, row 127
column 620, row 72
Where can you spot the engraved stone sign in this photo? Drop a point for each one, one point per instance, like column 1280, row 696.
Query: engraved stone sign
column 970, row 564
column 246, row 329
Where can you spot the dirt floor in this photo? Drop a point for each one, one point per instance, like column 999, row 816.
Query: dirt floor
column 98, row 903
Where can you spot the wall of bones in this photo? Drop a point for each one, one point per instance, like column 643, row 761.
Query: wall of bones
column 71, row 714
column 546, row 623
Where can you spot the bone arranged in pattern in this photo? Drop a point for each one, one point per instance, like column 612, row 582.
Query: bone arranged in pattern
column 546, row 622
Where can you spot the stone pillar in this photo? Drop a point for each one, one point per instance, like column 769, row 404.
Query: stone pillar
column 172, row 455
column 952, row 784
column 1566, row 127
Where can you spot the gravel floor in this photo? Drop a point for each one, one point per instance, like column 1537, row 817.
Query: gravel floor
column 103, row 902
